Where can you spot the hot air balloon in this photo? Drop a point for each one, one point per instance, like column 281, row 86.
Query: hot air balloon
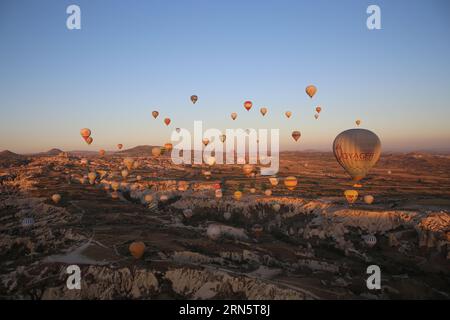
column 168, row 146
column 233, row 115
column 155, row 114
column 273, row 181
column 263, row 111
column 163, row 198
column 290, row 182
column 148, row 198
column 248, row 169
column 120, row 146
column 248, row 105
column 223, row 138
column 178, row 130
column 351, row 196
column 89, row 140
column 194, row 99
column 124, row 174
column 368, row 199
column 218, row 193
column 101, row 152
column 296, row 135
column 237, row 195
column 318, row 109
column 156, row 151
column 268, row 192
column 311, row 91
column 137, row 249
column 115, row 185
column 85, row 133
column 357, row 150
column 128, row 162
column 276, row 207
column 316, row 116
column 358, row 122
column 205, row 141
column 288, row 114
column 56, row 198
column 211, row 161
column 167, row 121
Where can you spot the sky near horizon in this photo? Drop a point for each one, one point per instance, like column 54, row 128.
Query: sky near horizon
column 133, row 57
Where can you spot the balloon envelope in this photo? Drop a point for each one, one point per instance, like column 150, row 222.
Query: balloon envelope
column 155, row 114
column 234, row 115
column 167, row 121
column 351, row 195
column 288, row 114
column 311, row 90
column 263, row 111
column 85, row 133
column 194, row 99
column 296, row 135
column 357, row 151
column 248, row 105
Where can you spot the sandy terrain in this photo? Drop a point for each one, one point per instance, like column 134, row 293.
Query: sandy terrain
column 311, row 248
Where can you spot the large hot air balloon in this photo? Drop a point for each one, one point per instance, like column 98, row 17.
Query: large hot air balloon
column 351, row 196
column 167, row 121
column 318, row 109
column 357, row 150
column 290, row 182
column 288, row 114
column 155, row 114
column 194, row 99
column 120, row 146
column 311, row 90
column 248, row 105
column 263, row 111
column 296, row 135
column 233, row 115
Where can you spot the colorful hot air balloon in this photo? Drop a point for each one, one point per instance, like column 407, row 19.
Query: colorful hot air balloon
column 101, row 152
column 358, row 122
column 205, row 141
column 89, row 140
column 318, row 109
column 128, row 162
column 85, row 133
column 288, row 114
column 296, row 135
column 92, row 176
column 155, row 114
column 168, row 146
column 56, row 198
column 248, row 105
column 290, row 182
column 125, row 173
column 194, row 99
column 351, row 196
column 233, row 115
column 357, row 150
column 120, row 146
column 167, row 121
column 223, row 138
column 368, row 199
column 268, row 192
column 237, row 195
column 316, row 116
column 137, row 249
column 311, row 90
column 273, row 181
column 263, row 111
column 156, row 151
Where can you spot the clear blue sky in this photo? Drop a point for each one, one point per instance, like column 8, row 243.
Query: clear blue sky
column 132, row 57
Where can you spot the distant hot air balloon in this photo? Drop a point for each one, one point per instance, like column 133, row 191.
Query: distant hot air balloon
column 92, row 176
column 56, row 198
column 168, row 146
column 167, row 121
column 101, row 152
column 178, row 130
column 137, row 249
column 223, row 138
column 316, row 116
column 85, row 133
column 358, row 122
column 115, row 185
column 351, row 196
column 268, row 192
column 296, row 135
column 368, row 199
column 288, row 114
column 120, row 146
column 205, row 141
column 357, row 150
column 155, row 114
column 290, row 182
column 234, row 115
column 263, row 111
column 125, row 174
column 276, row 207
column 128, row 162
column 194, row 99
column 89, row 140
column 218, row 193
column 273, row 181
column 156, row 151
column 248, row 105
column 318, row 109
column 311, row 91
column 211, row 161
column 237, row 195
